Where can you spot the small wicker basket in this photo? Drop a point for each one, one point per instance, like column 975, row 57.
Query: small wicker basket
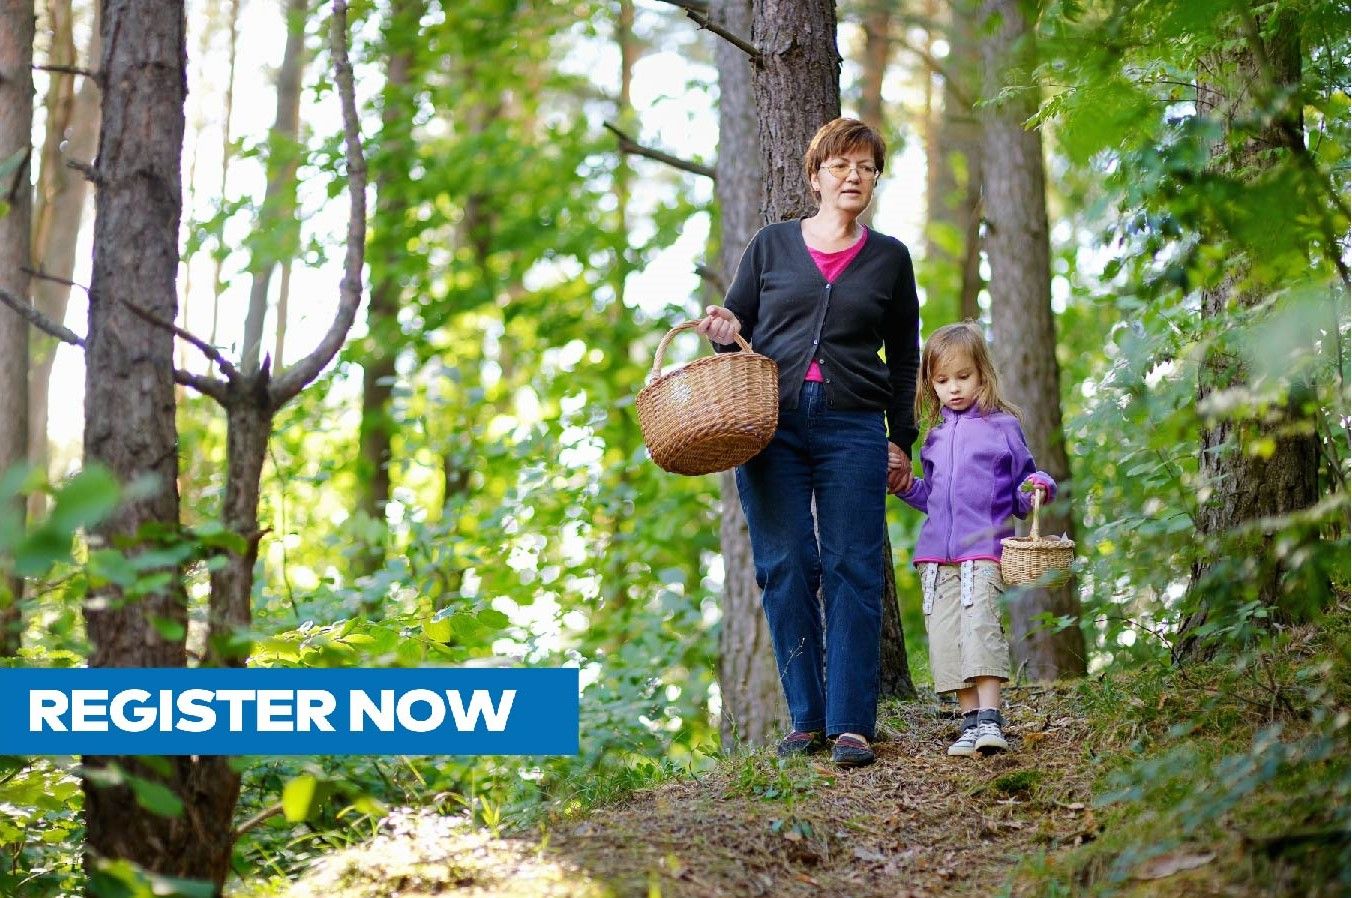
column 1036, row 559
column 711, row 414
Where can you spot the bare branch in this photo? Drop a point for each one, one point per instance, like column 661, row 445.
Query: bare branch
column 951, row 84
column 698, row 12
column 629, row 145
column 39, row 320
column 254, row 821
column 207, row 349
column 90, row 172
column 207, row 386
column 44, row 276
column 72, row 70
column 293, row 379
column 713, row 278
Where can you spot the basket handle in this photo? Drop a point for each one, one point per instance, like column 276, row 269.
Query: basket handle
column 1037, row 504
column 683, row 326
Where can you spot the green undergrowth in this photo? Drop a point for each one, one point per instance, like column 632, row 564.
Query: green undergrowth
column 1226, row 777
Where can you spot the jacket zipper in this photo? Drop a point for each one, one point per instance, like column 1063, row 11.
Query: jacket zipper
column 952, row 449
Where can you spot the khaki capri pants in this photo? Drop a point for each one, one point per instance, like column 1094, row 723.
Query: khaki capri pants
column 962, row 620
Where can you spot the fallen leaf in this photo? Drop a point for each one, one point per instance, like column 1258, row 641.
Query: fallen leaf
column 1169, row 864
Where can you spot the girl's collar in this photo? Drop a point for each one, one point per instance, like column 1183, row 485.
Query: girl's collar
column 972, row 411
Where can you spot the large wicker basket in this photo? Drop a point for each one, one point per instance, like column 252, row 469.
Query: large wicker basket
column 711, row 414
column 1036, row 559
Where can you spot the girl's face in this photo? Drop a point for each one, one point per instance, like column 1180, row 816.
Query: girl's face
column 955, row 380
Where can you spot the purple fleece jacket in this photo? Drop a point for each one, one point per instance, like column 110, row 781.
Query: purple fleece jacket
column 972, row 465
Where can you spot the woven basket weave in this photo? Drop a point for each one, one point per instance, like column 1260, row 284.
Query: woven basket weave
column 1028, row 559
column 712, row 414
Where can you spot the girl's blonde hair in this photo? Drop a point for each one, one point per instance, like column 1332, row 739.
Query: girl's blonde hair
column 964, row 337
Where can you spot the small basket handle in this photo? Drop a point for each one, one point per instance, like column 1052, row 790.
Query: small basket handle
column 1037, row 504
column 683, row 326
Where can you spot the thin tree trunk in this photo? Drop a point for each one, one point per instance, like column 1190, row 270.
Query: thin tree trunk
column 16, row 192
column 217, row 286
column 58, row 211
column 382, row 315
column 873, row 64
column 278, row 215
column 753, row 710
column 283, row 302
column 1234, row 86
column 1025, row 334
column 953, row 181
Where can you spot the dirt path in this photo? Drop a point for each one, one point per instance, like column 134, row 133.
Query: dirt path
column 917, row 823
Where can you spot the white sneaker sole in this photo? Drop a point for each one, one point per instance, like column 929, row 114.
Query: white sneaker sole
column 990, row 745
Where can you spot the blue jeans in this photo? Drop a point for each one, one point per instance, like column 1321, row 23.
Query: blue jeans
column 829, row 673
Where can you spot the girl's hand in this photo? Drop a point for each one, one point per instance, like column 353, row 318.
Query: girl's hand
column 899, row 473
column 719, row 325
column 1036, row 482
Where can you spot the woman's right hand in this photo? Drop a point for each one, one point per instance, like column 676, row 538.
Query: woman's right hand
column 719, row 325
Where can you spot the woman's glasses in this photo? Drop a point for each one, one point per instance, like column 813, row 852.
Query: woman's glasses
column 841, row 170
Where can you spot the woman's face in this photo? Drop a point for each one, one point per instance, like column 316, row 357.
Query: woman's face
column 846, row 181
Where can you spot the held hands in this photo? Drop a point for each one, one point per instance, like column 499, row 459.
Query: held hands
column 719, row 325
column 899, row 473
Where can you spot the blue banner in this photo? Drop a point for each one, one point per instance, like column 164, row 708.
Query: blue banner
column 289, row 711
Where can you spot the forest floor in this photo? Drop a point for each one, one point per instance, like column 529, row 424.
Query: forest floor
column 917, row 823
column 1225, row 779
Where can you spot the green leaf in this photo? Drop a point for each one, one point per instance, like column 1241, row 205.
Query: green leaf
column 155, row 797
column 89, row 497
column 300, row 797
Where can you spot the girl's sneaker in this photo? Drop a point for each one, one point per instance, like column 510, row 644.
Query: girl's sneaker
column 990, row 737
column 966, row 744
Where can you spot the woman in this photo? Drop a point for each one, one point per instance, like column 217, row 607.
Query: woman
column 820, row 296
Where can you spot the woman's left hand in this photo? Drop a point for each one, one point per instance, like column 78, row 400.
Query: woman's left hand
column 899, row 473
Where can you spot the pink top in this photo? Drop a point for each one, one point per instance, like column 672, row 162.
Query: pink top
column 831, row 265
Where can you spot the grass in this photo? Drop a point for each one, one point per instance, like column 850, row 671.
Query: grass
column 1228, row 778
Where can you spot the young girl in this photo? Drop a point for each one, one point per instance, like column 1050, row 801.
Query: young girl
column 976, row 472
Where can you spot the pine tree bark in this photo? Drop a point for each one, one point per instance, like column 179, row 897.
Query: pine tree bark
column 1234, row 87
column 753, row 708
column 1024, row 347
column 16, row 125
column 382, row 315
column 797, row 90
column 130, row 427
column 58, row 211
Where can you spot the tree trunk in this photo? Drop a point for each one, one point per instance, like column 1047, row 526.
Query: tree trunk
column 953, row 180
column 1234, row 87
column 130, row 428
column 227, row 153
column 877, row 53
column 797, row 90
column 58, row 210
column 16, row 191
column 382, row 315
column 753, row 709
column 1025, row 336
column 277, row 219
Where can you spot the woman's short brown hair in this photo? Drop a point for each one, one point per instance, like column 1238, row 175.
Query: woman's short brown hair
column 841, row 136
